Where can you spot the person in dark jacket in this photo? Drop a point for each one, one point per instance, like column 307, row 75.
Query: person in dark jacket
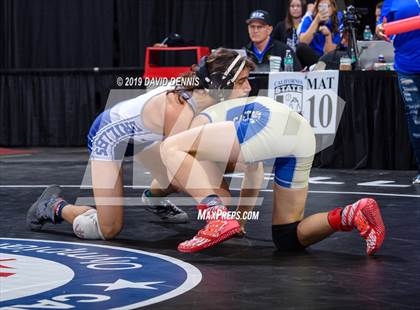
column 262, row 46
column 286, row 30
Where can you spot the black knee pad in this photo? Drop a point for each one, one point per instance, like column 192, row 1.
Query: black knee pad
column 285, row 237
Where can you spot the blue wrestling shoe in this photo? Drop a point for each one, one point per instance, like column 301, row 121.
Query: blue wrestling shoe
column 164, row 209
column 42, row 210
column 416, row 180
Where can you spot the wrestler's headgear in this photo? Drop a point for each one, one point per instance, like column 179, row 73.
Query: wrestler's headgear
column 218, row 81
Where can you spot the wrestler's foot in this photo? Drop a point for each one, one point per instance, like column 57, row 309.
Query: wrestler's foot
column 164, row 209
column 365, row 216
column 42, row 211
column 216, row 231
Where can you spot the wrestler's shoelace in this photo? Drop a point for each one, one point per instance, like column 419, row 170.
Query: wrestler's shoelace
column 370, row 225
column 165, row 208
column 46, row 214
column 211, row 229
column 170, row 207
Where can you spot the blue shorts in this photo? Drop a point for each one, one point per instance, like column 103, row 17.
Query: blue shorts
column 268, row 130
column 292, row 172
column 108, row 140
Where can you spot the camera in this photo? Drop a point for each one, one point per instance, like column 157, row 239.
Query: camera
column 351, row 16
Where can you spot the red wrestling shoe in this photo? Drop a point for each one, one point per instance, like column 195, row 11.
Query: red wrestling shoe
column 365, row 216
column 368, row 221
column 217, row 230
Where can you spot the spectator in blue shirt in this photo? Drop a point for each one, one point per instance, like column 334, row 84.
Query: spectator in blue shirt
column 407, row 65
column 321, row 30
column 378, row 11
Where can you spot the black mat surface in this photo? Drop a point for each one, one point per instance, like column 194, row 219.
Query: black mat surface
column 248, row 273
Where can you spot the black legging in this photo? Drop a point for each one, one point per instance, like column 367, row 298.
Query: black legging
column 306, row 55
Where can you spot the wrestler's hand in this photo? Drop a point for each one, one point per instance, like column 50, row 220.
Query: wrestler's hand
column 242, row 233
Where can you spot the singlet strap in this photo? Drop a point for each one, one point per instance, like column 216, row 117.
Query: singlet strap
column 187, row 96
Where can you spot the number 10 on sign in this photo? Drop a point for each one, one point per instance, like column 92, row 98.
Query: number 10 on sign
column 312, row 94
column 320, row 110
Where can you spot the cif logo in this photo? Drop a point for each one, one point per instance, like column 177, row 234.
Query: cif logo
column 259, row 15
column 249, row 119
column 62, row 275
column 248, row 116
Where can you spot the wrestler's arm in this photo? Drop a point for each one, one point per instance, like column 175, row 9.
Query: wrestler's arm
column 177, row 118
column 251, row 185
column 199, row 120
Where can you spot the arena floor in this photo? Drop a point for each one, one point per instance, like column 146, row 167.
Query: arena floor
column 242, row 273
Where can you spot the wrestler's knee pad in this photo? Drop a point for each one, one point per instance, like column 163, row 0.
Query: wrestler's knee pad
column 86, row 226
column 285, row 237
